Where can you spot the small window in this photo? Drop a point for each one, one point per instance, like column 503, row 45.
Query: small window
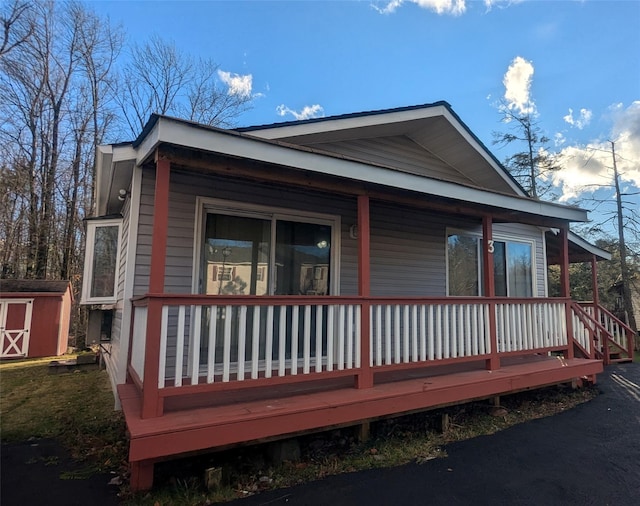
column 101, row 262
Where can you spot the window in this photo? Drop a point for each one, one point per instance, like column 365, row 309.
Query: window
column 101, row 261
column 463, row 253
column 252, row 250
column 512, row 265
column 259, row 251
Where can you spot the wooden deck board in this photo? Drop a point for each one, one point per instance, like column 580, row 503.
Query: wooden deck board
column 201, row 428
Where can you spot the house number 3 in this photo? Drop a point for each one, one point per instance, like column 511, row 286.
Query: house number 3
column 490, row 246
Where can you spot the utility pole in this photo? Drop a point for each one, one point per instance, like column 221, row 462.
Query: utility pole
column 624, row 269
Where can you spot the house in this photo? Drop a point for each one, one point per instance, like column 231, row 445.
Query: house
column 264, row 281
column 34, row 317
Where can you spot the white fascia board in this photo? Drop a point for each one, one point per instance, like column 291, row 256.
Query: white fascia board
column 339, row 124
column 242, row 146
column 104, row 172
column 594, row 250
column 123, row 153
column 150, row 142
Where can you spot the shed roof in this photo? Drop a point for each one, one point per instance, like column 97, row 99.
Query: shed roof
column 33, row 286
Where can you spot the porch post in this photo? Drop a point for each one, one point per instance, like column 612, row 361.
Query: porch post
column 151, row 401
column 594, row 288
column 490, row 289
column 365, row 377
column 565, row 289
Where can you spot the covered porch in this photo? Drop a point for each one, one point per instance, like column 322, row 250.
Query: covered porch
column 208, row 371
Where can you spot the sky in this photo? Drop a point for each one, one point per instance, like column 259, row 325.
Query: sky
column 575, row 65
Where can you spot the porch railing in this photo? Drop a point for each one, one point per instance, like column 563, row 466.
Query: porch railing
column 193, row 343
column 611, row 334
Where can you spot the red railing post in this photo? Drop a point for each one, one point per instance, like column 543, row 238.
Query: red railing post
column 490, row 289
column 365, row 378
column 565, row 289
column 151, row 401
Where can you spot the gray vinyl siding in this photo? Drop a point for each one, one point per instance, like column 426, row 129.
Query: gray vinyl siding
column 407, row 252
column 116, row 326
column 398, row 152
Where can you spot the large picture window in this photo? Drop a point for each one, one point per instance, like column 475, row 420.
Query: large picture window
column 253, row 250
column 255, row 255
column 99, row 283
column 512, row 264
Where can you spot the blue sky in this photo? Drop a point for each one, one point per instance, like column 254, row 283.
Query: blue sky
column 576, row 64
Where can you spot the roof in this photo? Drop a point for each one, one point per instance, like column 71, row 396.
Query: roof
column 307, row 145
column 33, row 286
column 406, row 120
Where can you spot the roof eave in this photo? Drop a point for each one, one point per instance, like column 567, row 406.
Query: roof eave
column 234, row 144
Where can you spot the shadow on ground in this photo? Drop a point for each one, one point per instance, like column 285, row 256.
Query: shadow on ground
column 42, row 472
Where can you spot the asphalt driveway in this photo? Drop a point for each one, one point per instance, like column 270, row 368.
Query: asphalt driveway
column 589, row 455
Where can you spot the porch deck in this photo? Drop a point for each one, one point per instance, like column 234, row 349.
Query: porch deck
column 192, row 426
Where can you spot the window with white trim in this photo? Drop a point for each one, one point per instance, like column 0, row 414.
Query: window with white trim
column 100, row 280
column 513, row 266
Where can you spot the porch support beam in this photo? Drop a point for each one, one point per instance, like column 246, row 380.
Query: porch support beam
column 596, row 310
column 152, row 404
column 490, row 288
column 594, row 288
column 365, row 378
column 565, row 288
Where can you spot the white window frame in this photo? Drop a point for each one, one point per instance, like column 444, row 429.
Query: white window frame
column 205, row 205
column 87, row 279
column 506, row 238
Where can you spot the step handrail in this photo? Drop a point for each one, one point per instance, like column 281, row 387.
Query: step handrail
column 592, row 324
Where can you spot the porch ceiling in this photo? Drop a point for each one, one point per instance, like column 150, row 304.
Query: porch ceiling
column 579, row 249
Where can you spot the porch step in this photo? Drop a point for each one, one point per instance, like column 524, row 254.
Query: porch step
column 621, row 360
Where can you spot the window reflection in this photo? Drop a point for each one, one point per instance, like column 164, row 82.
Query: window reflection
column 105, row 254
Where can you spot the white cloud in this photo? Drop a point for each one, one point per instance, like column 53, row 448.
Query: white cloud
column 238, row 84
column 559, row 139
column 308, row 111
column 585, row 168
column 517, row 86
column 453, row 7
column 489, row 4
column 581, row 121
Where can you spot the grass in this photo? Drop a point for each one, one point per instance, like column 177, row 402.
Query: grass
column 77, row 410
column 74, row 408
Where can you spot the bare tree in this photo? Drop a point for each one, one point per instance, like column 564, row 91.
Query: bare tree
column 532, row 166
column 620, row 213
column 161, row 79
column 17, row 25
column 52, row 114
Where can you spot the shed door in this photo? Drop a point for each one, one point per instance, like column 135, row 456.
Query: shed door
column 15, row 325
